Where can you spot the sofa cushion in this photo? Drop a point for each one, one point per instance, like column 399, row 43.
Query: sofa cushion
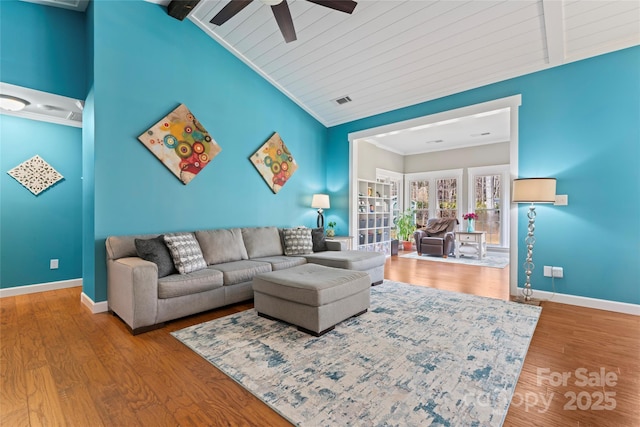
column 124, row 246
column 318, row 239
column 281, row 262
column 262, row 241
column 351, row 260
column 240, row 271
column 185, row 251
column 297, row 241
column 156, row 251
column 177, row 285
column 222, row 245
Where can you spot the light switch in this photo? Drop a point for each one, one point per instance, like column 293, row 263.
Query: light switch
column 561, row 200
column 53, row 264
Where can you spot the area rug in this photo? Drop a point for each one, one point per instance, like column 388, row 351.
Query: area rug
column 492, row 259
column 419, row 356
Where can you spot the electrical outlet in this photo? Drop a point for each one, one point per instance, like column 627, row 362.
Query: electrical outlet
column 558, row 272
column 548, row 271
column 53, row 264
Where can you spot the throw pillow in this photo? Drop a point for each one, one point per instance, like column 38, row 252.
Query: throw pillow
column 297, row 241
column 185, row 251
column 156, row 251
column 319, row 242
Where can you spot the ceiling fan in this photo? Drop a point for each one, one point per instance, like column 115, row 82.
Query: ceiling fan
column 281, row 12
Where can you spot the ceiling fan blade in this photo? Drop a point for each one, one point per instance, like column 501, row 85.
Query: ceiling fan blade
column 283, row 18
column 345, row 6
column 229, row 11
column 179, row 9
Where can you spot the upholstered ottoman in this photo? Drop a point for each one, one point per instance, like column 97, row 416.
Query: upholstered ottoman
column 312, row 297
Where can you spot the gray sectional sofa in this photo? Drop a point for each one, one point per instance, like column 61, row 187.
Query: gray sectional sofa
column 144, row 301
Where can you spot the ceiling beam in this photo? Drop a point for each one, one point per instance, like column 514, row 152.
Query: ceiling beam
column 554, row 30
column 179, row 9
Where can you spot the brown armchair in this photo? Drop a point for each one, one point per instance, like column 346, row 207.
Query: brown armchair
column 437, row 237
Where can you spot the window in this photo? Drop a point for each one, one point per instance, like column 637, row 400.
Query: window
column 434, row 194
column 447, row 197
column 488, row 201
column 419, row 196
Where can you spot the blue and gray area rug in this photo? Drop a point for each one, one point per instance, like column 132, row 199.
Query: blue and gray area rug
column 419, row 356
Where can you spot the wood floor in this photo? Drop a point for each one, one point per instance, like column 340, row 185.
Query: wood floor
column 61, row 365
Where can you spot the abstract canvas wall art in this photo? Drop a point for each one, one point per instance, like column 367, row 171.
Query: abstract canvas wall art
column 274, row 162
column 181, row 143
column 35, row 174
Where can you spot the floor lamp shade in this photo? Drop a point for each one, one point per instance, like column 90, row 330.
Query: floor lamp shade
column 320, row 202
column 534, row 190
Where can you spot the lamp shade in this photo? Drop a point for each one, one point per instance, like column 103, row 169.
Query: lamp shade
column 534, row 190
column 320, row 201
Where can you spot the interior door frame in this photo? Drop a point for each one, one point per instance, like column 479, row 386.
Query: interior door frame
column 512, row 102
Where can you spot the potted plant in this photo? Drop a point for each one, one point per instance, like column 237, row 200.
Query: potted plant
column 406, row 226
column 330, row 231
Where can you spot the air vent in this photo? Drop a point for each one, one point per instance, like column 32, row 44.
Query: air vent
column 342, row 100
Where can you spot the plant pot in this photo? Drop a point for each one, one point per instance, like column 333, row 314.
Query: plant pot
column 331, row 232
column 406, row 245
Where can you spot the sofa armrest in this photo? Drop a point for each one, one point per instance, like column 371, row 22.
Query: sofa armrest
column 417, row 236
column 132, row 290
column 334, row 245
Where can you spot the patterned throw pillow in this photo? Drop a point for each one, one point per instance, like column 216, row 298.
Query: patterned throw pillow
column 185, row 251
column 297, row 241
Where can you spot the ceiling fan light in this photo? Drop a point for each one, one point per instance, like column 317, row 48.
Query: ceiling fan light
column 12, row 103
column 271, row 2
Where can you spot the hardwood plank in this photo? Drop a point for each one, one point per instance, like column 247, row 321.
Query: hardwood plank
column 13, row 389
column 60, row 364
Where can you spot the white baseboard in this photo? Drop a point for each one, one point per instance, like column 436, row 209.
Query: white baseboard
column 94, row 307
column 600, row 304
column 40, row 287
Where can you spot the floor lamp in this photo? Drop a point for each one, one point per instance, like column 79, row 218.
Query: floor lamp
column 320, row 202
column 532, row 190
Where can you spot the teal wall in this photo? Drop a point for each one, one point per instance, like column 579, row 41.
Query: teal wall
column 579, row 123
column 147, row 63
column 43, row 48
column 36, row 229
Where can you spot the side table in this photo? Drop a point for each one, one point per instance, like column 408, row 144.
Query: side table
column 477, row 239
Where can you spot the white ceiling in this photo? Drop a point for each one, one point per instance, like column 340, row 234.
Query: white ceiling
column 479, row 129
column 392, row 53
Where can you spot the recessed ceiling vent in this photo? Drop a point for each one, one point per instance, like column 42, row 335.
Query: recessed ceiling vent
column 342, row 100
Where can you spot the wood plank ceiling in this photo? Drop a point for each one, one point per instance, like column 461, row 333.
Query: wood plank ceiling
column 391, row 54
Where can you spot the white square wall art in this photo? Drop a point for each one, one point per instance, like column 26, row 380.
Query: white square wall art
column 35, row 174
